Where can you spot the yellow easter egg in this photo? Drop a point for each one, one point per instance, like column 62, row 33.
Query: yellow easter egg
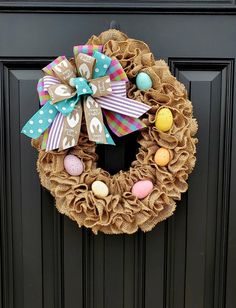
column 164, row 119
column 162, row 157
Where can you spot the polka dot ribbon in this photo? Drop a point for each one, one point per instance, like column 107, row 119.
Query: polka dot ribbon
column 100, row 77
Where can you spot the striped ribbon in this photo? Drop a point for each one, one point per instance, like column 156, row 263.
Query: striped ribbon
column 55, row 133
column 122, row 105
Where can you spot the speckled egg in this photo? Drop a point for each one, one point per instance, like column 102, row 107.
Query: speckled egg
column 164, row 119
column 100, row 189
column 162, row 157
column 143, row 81
column 73, row 165
column 142, row 189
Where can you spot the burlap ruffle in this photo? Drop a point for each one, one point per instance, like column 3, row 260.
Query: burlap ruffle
column 120, row 211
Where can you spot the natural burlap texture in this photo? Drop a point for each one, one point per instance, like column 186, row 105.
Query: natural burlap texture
column 120, row 211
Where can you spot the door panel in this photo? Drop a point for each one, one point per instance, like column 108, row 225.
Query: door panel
column 187, row 261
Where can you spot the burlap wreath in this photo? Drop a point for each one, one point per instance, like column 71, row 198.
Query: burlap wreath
column 120, row 211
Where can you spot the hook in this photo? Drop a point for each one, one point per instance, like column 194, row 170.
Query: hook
column 114, row 25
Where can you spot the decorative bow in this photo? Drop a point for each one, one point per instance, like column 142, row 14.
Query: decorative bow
column 101, row 85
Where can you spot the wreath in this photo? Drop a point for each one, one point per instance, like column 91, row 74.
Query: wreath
column 116, row 78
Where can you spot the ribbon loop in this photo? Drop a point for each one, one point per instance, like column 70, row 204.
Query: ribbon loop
column 64, row 70
column 87, row 49
column 102, row 64
column 59, row 92
column 85, row 65
column 43, row 94
column 48, row 69
column 49, row 81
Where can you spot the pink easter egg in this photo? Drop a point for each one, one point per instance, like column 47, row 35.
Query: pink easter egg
column 73, row 165
column 142, row 189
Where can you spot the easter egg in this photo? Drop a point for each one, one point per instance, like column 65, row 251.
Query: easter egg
column 142, row 189
column 162, row 157
column 143, row 81
column 100, row 189
column 73, row 165
column 164, row 119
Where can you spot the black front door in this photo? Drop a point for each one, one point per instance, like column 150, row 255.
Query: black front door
column 187, row 261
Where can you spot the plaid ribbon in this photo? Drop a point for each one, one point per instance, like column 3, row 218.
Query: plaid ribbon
column 116, row 71
column 122, row 125
column 87, row 49
column 48, row 69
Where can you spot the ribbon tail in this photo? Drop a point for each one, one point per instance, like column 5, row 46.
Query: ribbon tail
column 122, row 125
column 40, row 121
column 65, row 130
column 71, row 129
column 123, row 105
column 45, row 139
column 94, row 120
column 55, row 132
column 108, row 137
